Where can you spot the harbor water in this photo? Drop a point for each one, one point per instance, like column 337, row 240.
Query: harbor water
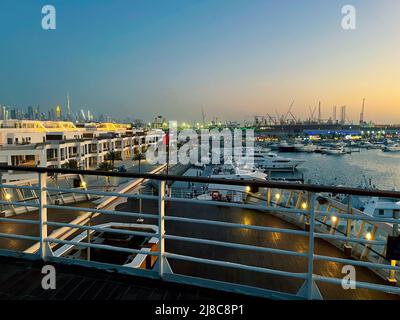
column 381, row 168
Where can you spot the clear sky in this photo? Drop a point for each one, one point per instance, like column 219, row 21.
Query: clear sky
column 234, row 58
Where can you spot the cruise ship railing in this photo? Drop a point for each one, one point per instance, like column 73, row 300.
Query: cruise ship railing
column 307, row 206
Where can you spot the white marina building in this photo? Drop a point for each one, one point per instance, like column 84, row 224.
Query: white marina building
column 54, row 143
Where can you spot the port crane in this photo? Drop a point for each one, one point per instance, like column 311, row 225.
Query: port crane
column 312, row 112
column 283, row 118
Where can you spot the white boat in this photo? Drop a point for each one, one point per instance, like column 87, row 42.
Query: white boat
column 284, row 146
column 384, row 208
column 244, row 156
column 238, row 172
column 369, row 145
column 335, row 151
column 230, row 193
column 274, row 162
column 392, row 148
column 307, row 148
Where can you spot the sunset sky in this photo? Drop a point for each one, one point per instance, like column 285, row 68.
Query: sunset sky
column 234, row 58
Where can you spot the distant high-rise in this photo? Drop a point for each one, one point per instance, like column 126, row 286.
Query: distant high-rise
column 13, row 114
column 4, row 113
column 69, row 114
column 334, row 114
column 343, row 115
column 30, row 113
column 58, row 112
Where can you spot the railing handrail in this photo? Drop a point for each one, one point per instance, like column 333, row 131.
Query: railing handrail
column 256, row 183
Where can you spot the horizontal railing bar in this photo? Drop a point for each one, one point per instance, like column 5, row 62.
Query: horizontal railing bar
column 100, row 246
column 364, row 217
column 352, row 239
column 359, row 284
column 22, row 221
column 237, row 205
column 265, row 184
column 104, row 193
column 94, row 228
column 236, row 265
column 10, row 186
column 236, row 225
column 20, row 204
column 18, row 236
column 236, row 245
column 102, row 211
column 366, row 264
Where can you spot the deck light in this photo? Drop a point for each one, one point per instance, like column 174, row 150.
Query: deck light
column 248, row 189
column 7, row 196
column 83, row 184
column 277, row 196
column 304, row 205
column 333, row 219
column 368, row 236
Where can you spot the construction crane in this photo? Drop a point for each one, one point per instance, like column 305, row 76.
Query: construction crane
column 283, row 117
column 312, row 112
column 362, row 112
column 289, row 112
column 271, row 119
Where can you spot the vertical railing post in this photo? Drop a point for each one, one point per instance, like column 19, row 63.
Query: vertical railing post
column 161, row 226
column 395, row 232
column 310, row 271
column 1, row 193
column 347, row 245
column 43, row 214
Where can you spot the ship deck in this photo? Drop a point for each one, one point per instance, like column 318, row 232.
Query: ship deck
column 20, row 278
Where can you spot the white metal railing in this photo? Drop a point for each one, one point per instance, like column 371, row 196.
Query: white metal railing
column 293, row 210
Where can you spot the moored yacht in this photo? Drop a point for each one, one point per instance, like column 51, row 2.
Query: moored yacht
column 286, row 147
column 335, row 151
column 392, row 148
column 307, row 148
column 231, row 193
column 274, row 162
column 385, row 208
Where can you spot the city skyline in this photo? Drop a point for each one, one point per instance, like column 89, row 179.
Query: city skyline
column 232, row 59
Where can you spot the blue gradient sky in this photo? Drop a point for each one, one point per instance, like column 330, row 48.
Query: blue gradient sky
column 235, row 58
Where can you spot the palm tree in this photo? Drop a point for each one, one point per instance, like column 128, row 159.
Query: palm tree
column 112, row 156
column 70, row 164
column 139, row 157
column 105, row 166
